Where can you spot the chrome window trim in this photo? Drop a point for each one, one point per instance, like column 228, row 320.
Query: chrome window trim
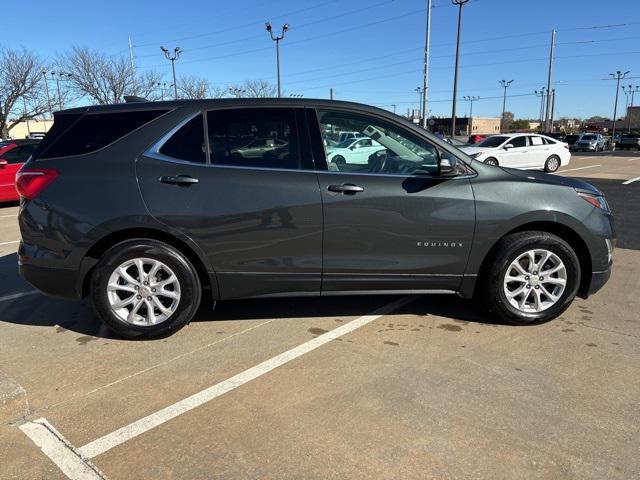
column 154, row 150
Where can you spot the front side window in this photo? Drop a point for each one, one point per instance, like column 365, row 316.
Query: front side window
column 254, row 137
column 493, row 142
column 518, row 142
column 383, row 148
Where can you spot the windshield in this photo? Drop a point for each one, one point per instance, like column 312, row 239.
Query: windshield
column 493, row 142
column 588, row 137
column 571, row 138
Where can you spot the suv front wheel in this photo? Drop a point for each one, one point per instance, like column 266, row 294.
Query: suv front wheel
column 533, row 277
column 144, row 289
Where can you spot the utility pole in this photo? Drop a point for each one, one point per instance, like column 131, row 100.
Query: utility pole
column 459, row 3
column 420, row 92
column 616, row 76
column 172, row 58
column 331, row 94
column 470, row 99
column 277, row 38
column 425, row 75
column 541, row 94
column 550, row 79
column 46, row 89
column 505, row 84
column 133, row 68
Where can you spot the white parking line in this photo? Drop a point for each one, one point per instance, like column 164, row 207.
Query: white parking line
column 60, row 451
column 18, row 295
column 9, row 243
column 631, row 181
column 145, row 424
column 75, row 462
column 579, row 168
column 633, row 159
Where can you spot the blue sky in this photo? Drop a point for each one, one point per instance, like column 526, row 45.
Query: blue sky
column 369, row 51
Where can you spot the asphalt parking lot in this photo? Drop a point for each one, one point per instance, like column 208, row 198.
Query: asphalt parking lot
column 342, row 387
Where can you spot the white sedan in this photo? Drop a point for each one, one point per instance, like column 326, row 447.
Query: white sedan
column 353, row 151
column 524, row 151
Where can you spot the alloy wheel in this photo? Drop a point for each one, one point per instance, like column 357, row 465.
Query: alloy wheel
column 535, row 281
column 143, row 291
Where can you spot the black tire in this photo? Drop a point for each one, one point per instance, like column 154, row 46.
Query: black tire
column 491, row 161
column 548, row 167
column 190, row 287
column 339, row 160
column 491, row 291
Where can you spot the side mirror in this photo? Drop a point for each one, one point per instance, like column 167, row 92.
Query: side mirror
column 508, row 146
column 3, row 163
column 352, row 147
column 448, row 165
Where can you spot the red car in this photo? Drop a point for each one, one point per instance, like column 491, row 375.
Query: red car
column 12, row 155
column 473, row 139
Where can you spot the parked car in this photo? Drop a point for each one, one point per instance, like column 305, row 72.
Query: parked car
column 527, row 151
column 355, row 151
column 629, row 141
column 571, row 139
column 258, row 147
column 473, row 139
column 136, row 207
column 344, row 136
column 590, row 142
column 12, row 155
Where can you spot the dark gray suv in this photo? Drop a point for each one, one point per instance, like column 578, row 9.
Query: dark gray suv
column 146, row 206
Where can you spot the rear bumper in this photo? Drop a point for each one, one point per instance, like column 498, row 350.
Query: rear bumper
column 55, row 282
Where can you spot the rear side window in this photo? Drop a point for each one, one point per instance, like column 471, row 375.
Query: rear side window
column 94, row 131
column 187, row 143
column 255, row 137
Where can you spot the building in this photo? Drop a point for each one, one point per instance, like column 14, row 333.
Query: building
column 633, row 114
column 27, row 127
column 466, row 125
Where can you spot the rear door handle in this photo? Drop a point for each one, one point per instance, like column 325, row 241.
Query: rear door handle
column 179, row 180
column 347, row 188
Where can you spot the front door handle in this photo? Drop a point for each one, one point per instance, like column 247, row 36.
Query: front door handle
column 179, row 180
column 347, row 188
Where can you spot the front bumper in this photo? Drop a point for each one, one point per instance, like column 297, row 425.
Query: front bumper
column 598, row 280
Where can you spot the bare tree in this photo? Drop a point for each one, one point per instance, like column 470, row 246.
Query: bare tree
column 197, row 88
column 21, row 97
column 149, row 84
column 102, row 78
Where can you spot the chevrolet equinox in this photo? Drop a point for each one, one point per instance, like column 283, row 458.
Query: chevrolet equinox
column 146, row 206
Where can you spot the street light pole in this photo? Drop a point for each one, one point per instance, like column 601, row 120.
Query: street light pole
column 277, row 38
column 541, row 94
column 505, row 84
column 57, row 76
column 172, row 58
column 459, row 3
column 420, row 93
column 470, row 99
column 46, row 89
column 616, row 76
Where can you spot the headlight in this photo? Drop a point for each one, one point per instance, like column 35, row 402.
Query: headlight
column 597, row 201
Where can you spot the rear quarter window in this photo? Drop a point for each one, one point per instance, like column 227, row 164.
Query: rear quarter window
column 92, row 131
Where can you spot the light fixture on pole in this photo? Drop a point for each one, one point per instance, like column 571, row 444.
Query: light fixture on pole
column 277, row 38
column 630, row 92
column 60, row 76
column 459, row 3
column 296, row 95
column 237, row 91
column 505, row 84
column 616, row 76
column 172, row 58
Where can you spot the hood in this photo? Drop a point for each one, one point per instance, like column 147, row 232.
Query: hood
column 471, row 150
column 541, row 177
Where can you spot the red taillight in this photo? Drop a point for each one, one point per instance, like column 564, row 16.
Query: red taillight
column 30, row 183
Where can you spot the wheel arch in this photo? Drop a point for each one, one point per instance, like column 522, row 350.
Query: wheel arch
column 564, row 232
column 96, row 251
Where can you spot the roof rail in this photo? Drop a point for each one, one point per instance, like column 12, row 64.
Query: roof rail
column 134, row 99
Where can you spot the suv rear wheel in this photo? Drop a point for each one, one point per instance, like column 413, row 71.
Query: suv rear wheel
column 533, row 277
column 145, row 289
